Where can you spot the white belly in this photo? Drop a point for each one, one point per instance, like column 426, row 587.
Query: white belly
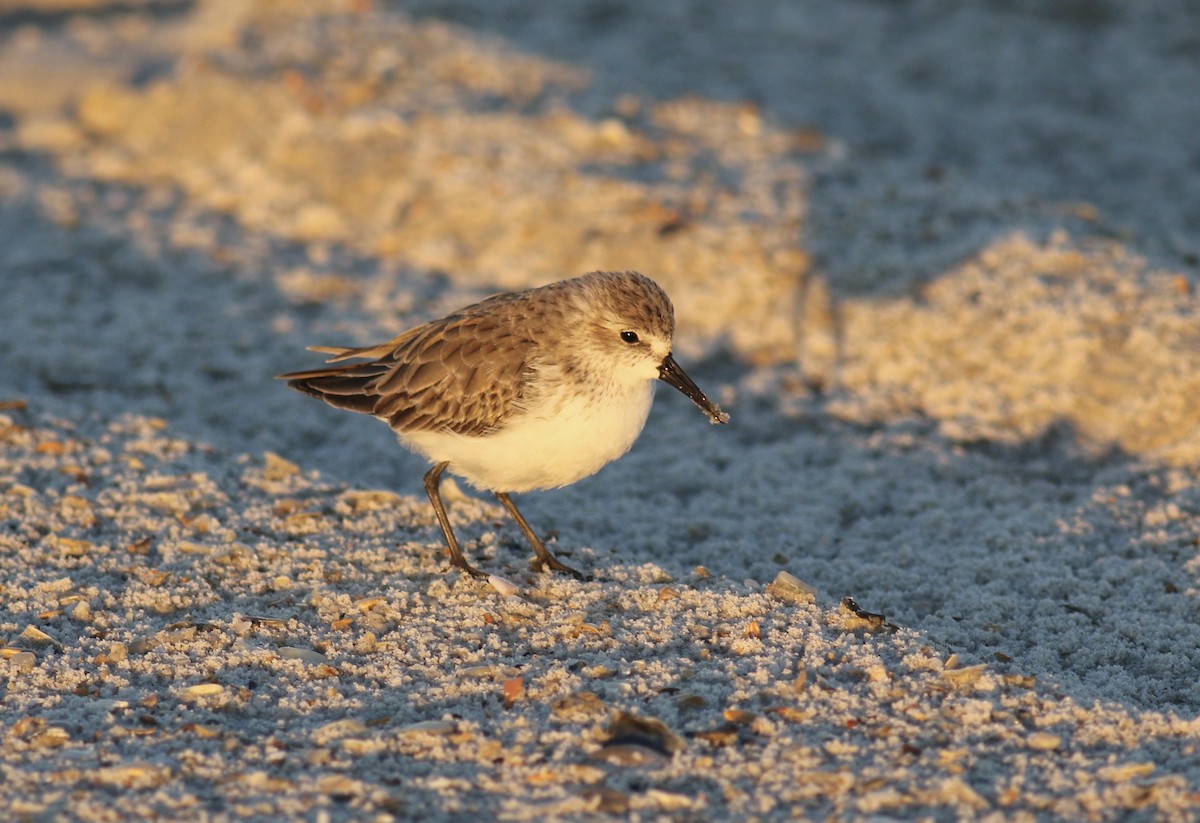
column 573, row 438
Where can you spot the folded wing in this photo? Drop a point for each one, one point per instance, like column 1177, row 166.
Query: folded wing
column 466, row 373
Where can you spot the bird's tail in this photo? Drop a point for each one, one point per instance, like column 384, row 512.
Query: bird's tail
column 351, row 387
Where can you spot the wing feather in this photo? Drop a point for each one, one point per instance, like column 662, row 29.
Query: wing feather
column 465, row 373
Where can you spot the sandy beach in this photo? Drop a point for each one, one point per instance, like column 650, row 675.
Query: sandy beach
column 937, row 260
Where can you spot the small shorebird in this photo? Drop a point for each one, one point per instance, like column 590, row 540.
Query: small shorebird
column 529, row 390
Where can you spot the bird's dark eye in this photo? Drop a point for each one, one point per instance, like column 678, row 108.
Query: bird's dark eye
column 629, row 337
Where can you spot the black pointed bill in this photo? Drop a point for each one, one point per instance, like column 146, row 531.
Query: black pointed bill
column 669, row 372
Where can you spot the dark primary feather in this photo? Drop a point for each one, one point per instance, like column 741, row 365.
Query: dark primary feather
column 465, row 373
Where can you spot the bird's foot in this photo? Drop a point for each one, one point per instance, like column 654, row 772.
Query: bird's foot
column 542, row 562
column 469, row 569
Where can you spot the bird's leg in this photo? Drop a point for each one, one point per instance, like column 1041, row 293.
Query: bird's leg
column 433, row 479
column 544, row 557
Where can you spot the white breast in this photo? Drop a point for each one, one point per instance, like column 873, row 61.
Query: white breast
column 566, row 439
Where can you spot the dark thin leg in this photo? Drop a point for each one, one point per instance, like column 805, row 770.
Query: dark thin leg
column 433, row 478
column 544, row 557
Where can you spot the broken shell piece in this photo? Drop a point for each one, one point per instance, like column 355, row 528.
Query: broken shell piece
column 791, row 589
column 506, row 587
column 303, row 655
column 202, row 691
column 338, row 729
column 35, row 635
column 488, row 671
column 512, row 691
column 577, row 707
column 638, row 741
column 263, row 620
column 740, row 717
column 434, row 727
column 52, row 737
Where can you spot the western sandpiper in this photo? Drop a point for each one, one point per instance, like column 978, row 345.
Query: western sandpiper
column 529, row 390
